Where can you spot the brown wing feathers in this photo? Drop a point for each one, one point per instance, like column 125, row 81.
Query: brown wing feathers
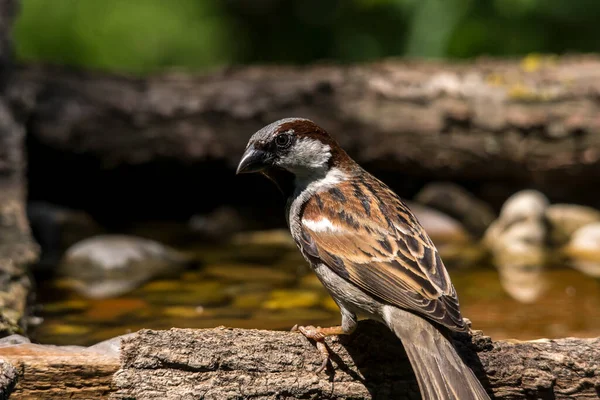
column 366, row 234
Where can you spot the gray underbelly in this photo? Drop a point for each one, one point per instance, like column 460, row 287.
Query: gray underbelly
column 348, row 295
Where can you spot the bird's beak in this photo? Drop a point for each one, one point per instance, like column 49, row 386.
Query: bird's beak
column 253, row 160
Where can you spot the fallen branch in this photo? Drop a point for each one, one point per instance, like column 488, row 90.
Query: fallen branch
column 523, row 124
column 55, row 372
column 226, row 363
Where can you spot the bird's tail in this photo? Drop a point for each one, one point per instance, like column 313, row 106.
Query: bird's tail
column 441, row 373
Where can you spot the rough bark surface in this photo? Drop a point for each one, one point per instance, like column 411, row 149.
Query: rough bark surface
column 532, row 122
column 226, row 363
column 52, row 372
column 8, row 378
column 17, row 249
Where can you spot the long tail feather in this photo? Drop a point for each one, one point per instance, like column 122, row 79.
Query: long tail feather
column 441, row 373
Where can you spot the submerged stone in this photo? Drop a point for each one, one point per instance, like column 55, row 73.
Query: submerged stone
column 583, row 250
column 111, row 265
column 566, row 219
column 439, row 226
column 517, row 241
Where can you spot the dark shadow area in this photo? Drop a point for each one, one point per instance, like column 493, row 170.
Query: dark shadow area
column 164, row 189
column 373, row 345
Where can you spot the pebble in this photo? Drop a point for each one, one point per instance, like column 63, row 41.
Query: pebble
column 583, row 250
column 565, row 219
column 439, row 226
column 110, row 265
column 109, row 347
column 517, row 241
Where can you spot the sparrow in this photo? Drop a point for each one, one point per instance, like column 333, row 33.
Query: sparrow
column 367, row 249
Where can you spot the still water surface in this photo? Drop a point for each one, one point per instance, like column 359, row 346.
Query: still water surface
column 266, row 284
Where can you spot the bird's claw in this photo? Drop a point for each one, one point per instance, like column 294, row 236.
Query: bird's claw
column 310, row 332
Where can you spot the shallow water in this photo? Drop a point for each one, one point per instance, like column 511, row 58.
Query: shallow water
column 266, row 284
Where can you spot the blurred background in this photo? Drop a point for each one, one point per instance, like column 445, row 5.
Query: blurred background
column 141, row 37
column 158, row 243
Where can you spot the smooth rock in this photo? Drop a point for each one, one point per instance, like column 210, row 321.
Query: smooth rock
column 583, row 249
column 517, row 241
column 524, row 283
column 12, row 340
column 524, row 204
column 109, row 347
column 527, row 207
column 455, row 201
column 565, row 219
column 111, row 265
column 439, row 226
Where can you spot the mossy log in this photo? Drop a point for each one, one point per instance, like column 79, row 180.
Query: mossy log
column 522, row 123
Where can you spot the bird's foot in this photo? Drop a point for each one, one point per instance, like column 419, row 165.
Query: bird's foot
column 318, row 334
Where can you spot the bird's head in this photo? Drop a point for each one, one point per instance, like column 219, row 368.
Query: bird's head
column 295, row 145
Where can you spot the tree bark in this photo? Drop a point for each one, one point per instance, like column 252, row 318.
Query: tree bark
column 8, row 379
column 17, row 249
column 533, row 123
column 224, row 363
column 55, row 372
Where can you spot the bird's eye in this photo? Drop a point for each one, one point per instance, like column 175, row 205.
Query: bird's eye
column 283, row 140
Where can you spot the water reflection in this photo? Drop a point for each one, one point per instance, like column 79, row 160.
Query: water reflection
column 261, row 281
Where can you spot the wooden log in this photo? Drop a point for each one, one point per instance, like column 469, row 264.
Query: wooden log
column 8, row 379
column 227, row 363
column 54, row 372
column 524, row 123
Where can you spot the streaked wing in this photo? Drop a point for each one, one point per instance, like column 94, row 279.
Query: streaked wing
column 367, row 235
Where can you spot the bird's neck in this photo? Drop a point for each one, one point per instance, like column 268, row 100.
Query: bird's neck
column 284, row 180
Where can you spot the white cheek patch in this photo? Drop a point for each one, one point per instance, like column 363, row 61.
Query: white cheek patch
column 321, row 225
column 308, row 153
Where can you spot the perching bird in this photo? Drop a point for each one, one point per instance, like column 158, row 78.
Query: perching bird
column 368, row 250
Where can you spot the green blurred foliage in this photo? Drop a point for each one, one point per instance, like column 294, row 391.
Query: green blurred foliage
column 142, row 36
